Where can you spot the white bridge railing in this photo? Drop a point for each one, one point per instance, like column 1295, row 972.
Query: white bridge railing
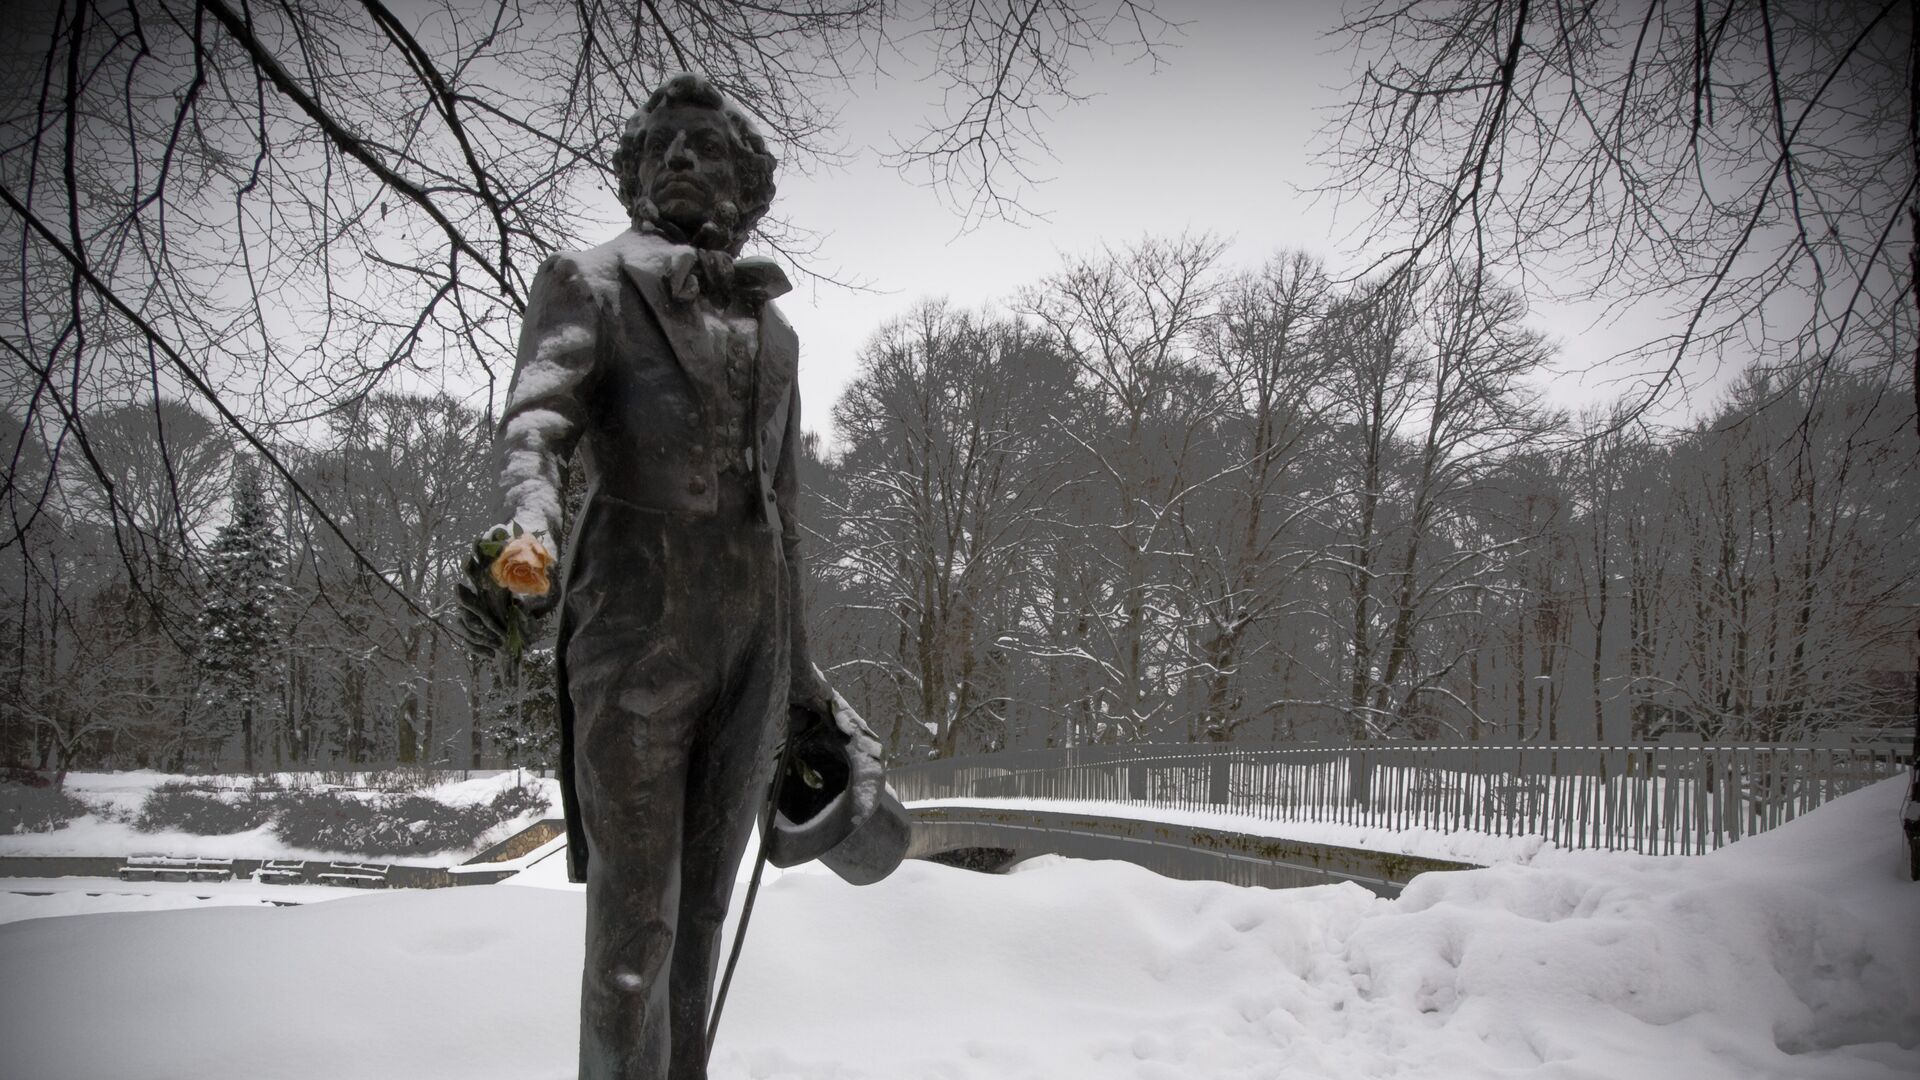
column 1655, row 799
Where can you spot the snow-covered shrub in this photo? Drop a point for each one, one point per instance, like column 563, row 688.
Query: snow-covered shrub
column 402, row 779
column 24, row 776
column 36, row 809
column 191, row 808
column 516, row 801
column 393, row 824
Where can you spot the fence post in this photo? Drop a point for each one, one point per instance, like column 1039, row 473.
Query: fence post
column 1657, row 799
column 1359, row 779
column 1218, row 772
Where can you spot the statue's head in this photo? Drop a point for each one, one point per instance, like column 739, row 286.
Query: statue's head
column 691, row 165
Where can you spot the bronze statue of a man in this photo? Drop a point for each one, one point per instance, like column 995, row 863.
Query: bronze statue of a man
column 681, row 644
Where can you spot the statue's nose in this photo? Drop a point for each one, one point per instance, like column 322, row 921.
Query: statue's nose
column 679, row 154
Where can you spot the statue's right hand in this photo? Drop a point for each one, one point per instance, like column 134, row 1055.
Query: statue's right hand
column 485, row 630
column 483, row 605
column 506, row 585
column 523, row 567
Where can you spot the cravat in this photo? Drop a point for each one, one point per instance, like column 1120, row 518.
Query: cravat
column 722, row 279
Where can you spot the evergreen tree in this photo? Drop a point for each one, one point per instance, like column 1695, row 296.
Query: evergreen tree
column 240, row 625
column 526, row 710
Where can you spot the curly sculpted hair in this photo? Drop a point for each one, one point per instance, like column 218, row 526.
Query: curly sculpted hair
column 753, row 162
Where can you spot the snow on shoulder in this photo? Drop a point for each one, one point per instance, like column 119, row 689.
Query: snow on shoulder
column 1791, row 956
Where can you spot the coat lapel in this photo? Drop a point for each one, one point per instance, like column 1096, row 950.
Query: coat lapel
column 779, row 352
column 684, row 335
column 779, row 359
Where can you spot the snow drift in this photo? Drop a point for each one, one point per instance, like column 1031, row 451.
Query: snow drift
column 1789, row 955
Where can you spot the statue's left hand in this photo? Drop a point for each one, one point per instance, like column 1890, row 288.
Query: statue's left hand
column 811, row 691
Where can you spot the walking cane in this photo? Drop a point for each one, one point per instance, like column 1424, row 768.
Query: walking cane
column 753, row 888
column 1910, row 813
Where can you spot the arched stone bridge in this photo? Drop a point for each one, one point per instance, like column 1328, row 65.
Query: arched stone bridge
column 1667, row 799
column 994, row 838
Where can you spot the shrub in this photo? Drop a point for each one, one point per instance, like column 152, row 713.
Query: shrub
column 190, row 808
column 402, row 779
column 515, row 801
column 25, row 777
column 392, row 825
column 36, row 809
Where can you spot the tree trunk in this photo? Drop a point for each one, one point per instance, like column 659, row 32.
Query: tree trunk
column 405, row 737
column 474, row 726
column 246, row 734
column 356, row 716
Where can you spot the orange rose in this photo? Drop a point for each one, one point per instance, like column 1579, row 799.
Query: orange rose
column 521, row 568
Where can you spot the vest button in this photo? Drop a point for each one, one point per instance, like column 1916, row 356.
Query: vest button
column 697, row 485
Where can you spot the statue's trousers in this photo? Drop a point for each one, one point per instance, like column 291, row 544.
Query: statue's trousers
column 675, row 661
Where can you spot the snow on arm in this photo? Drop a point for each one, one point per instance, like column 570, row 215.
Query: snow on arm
column 545, row 411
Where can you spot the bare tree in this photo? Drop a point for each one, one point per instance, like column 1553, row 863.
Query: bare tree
column 1745, row 164
column 1129, row 321
column 409, row 476
column 270, row 209
column 1243, row 532
column 1374, row 390
column 946, row 479
column 1795, row 590
column 1003, row 69
column 166, row 470
column 1608, row 456
column 1529, row 515
column 1434, row 393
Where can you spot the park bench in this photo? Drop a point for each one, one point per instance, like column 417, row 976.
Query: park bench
column 281, row 872
column 171, row 868
column 355, row 875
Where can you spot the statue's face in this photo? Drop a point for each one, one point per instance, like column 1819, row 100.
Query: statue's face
column 686, row 165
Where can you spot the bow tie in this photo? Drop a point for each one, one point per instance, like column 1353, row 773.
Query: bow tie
column 722, row 279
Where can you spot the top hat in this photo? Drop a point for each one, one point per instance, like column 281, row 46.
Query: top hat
column 834, row 802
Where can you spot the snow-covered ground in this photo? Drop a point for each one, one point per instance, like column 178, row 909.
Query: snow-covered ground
column 121, row 794
column 40, row 898
column 1792, row 955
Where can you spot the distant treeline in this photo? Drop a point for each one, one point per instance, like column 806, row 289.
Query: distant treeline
column 1155, row 499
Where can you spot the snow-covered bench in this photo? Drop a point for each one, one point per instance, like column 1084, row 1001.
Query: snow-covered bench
column 355, row 875
column 281, row 872
column 171, row 868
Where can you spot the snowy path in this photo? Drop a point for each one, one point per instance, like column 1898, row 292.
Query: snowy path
column 1791, row 956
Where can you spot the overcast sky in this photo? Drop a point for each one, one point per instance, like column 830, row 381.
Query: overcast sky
column 1211, row 142
column 1219, row 139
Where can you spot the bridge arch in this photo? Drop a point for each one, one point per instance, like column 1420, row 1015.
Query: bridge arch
column 995, row 838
